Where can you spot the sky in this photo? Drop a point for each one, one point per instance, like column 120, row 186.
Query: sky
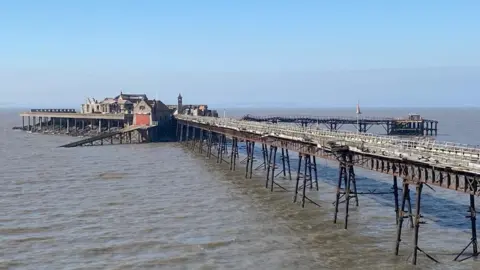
column 232, row 53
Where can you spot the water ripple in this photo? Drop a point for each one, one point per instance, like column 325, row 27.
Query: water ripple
column 160, row 206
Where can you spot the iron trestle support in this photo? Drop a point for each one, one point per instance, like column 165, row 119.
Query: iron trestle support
column 409, row 172
column 347, row 176
column 473, row 222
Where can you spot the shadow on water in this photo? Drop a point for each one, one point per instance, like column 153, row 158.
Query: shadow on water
column 444, row 212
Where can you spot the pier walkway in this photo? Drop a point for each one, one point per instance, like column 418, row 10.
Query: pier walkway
column 122, row 136
column 418, row 161
column 413, row 125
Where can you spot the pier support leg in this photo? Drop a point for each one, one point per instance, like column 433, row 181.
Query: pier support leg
column 247, row 166
column 200, row 140
column 351, row 181
column 309, row 170
column 200, row 146
column 272, row 164
column 68, row 125
column 29, row 125
column 473, row 221
column 209, row 144
column 401, row 217
column 235, row 153
column 285, row 164
column 264, row 158
column 342, row 176
column 232, row 154
column 252, row 159
column 180, row 138
column 417, row 223
column 288, row 165
column 23, row 122
column 314, row 166
column 269, row 158
column 219, row 148
column 300, row 157
column 265, row 155
column 222, row 147
column 192, row 138
column 410, row 212
column 395, row 195
column 416, row 248
column 99, row 126
column 306, row 178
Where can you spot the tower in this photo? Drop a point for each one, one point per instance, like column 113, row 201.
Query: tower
column 179, row 105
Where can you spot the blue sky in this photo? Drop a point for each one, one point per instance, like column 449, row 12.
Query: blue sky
column 241, row 53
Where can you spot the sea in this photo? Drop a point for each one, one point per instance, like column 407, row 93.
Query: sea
column 163, row 206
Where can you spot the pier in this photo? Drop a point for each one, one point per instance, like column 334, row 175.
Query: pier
column 71, row 122
column 128, row 135
column 413, row 125
column 417, row 163
column 125, row 118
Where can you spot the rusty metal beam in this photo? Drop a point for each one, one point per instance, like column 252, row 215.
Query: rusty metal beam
column 411, row 171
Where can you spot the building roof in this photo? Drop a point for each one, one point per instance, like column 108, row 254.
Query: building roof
column 160, row 105
column 146, row 102
column 131, row 97
column 124, row 101
column 108, row 101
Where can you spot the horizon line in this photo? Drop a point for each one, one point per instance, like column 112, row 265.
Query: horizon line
column 282, row 106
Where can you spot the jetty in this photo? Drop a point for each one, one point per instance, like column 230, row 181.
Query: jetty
column 413, row 125
column 140, row 134
column 414, row 160
column 419, row 162
column 125, row 118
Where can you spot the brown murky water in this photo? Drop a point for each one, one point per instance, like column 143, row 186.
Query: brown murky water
column 160, row 206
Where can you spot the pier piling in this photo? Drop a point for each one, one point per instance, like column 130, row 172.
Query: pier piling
column 414, row 172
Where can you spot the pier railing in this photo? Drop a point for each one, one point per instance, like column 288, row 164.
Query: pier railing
column 310, row 118
column 445, row 154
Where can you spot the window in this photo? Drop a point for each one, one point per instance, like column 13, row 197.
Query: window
column 142, row 108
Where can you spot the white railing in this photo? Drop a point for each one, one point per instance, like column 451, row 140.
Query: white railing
column 445, row 153
column 325, row 118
